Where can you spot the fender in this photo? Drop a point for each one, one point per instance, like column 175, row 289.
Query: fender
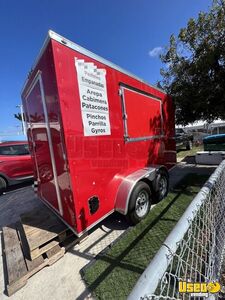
column 149, row 175
column 128, row 183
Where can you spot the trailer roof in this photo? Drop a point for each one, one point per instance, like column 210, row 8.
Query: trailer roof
column 62, row 40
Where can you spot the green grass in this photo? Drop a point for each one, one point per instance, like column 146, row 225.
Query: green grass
column 115, row 272
column 193, row 151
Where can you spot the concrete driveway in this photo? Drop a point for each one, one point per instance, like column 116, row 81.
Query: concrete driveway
column 62, row 280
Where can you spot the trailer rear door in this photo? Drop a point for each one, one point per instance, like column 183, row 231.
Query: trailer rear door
column 42, row 149
column 142, row 115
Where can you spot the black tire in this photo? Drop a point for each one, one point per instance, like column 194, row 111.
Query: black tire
column 189, row 145
column 3, row 185
column 162, row 186
column 139, row 202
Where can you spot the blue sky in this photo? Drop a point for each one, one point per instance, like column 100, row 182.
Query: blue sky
column 129, row 33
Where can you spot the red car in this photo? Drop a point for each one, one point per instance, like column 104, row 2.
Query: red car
column 15, row 164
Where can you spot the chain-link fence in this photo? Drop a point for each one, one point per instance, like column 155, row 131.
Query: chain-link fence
column 190, row 261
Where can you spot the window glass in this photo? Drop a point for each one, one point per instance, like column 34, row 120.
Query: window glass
column 14, row 150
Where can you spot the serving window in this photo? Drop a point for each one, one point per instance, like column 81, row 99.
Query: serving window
column 142, row 115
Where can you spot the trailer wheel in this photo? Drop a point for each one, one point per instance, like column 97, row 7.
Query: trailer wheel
column 162, row 187
column 3, row 185
column 189, row 145
column 139, row 203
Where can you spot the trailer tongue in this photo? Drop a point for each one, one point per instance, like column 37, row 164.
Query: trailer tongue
column 101, row 139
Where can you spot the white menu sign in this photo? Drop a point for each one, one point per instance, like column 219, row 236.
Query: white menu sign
column 93, row 98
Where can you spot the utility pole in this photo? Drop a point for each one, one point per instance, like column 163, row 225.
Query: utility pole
column 20, row 106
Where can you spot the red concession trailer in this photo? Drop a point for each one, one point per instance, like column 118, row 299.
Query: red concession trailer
column 101, row 139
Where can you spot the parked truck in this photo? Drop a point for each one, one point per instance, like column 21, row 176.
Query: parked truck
column 101, row 139
column 184, row 139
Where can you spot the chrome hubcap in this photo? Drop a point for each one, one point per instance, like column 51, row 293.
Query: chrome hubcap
column 142, row 204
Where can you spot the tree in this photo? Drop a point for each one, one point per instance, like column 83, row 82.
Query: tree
column 194, row 67
column 18, row 116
